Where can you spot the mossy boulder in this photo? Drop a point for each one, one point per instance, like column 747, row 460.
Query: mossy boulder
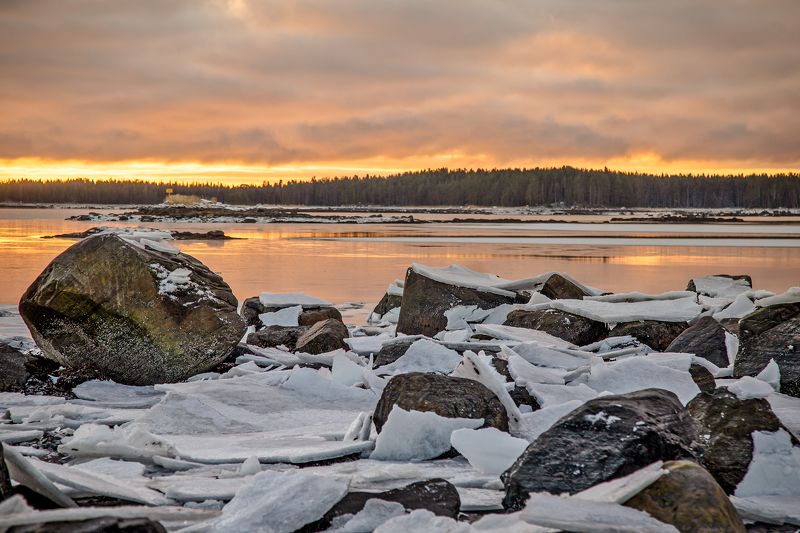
column 136, row 312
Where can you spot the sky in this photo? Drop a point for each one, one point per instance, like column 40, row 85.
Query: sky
column 245, row 91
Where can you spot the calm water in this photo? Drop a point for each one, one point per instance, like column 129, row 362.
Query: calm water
column 355, row 263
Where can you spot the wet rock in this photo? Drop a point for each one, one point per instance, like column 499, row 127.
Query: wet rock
column 435, row 495
column 726, row 427
column 705, row 338
column 520, row 395
column 605, row 438
column 572, row 328
column 5, row 479
column 394, row 350
column 274, row 336
column 425, row 300
column 703, row 378
column 131, row 313
column 557, row 287
column 252, row 307
column 13, row 371
column 322, row 337
column 105, row 524
column 654, row 333
column 771, row 333
column 444, row 395
column 689, row 499
column 387, row 303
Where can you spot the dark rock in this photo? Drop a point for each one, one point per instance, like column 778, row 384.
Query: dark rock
column 104, row 524
column 387, row 303
column 520, row 395
column 726, row 427
column 691, row 286
column 98, row 306
column 273, row 336
column 557, row 287
column 252, row 307
column 5, row 479
column 425, row 301
column 605, row 438
column 13, row 371
column 703, row 378
column 323, row 337
column 309, row 317
column 761, row 527
column 689, row 499
column 731, row 325
column 654, row 333
column 705, row 338
column 576, row 329
column 435, row 495
column 771, row 333
column 444, row 395
column 393, row 350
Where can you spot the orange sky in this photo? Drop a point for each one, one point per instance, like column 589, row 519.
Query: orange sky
column 241, row 91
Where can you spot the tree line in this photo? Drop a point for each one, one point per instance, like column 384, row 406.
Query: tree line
column 479, row 187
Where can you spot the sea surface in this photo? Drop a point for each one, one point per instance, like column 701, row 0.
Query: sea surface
column 355, row 262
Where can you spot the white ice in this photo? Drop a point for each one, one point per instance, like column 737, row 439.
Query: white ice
column 478, row 367
column 771, row 374
column 637, row 373
column 489, row 450
column 740, row 307
column 463, row 277
column 345, row 371
column 791, row 296
column 524, row 372
column 512, row 333
column 539, row 421
column 290, row 299
column 550, row 395
column 640, row 297
column 546, row 356
column 288, row 316
column 111, row 394
column 721, row 286
column 461, row 316
column 424, row 355
column 374, row 513
column 422, row 520
column 417, row 435
column 680, row 310
column 369, row 344
column 775, row 467
column 748, row 387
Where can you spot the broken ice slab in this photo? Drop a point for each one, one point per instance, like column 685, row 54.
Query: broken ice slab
column 269, row 447
column 175, row 516
column 22, row 470
column 776, row 510
column 110, row 394
column 474, row 500
column 10, row 436
column 70, row 415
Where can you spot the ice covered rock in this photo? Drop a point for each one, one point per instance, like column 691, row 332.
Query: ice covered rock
column 680, row 310
column 312, row 310
column 417, row 435
column 429, row 292
column 721, row 285
column 393, row 299
column 489, row 450
column 747, row 387
column 392, row 349
column 792, row 295
column 689, row 499
column 422, row 520
column 374, row 513
column 740, row 307
column 131, row 313
column 572, row 328
column 656, row 334
column 102, row 524
column 726, row 427
column 705, row 338
column 558, row 287
column 280, row 503
column 325, row 336
column 605, row 438
column 771, row 333
column 444, row 395
column 285, row 317
column 424, row 355
column 434, row 495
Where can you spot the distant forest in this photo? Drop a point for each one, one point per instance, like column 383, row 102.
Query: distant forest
column 505, row 187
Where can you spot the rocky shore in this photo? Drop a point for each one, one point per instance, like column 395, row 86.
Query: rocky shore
column 153, row 401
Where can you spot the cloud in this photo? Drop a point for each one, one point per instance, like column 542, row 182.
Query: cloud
column 499, row 82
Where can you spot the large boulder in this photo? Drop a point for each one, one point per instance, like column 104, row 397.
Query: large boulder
column 689, row 499
column 435, row 495
column 605, row 438
column 425, row 301
column 656, row 334
column 726, row 427
column 557, row 287
column 771, row 333
column 444, row 395
column 323, row 337
column 705, row 338
column 572, row 328
column 137, row 312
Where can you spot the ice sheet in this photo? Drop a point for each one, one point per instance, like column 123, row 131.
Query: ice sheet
column 289, row 299
column 424, row 355
column 489, row 450
column 680, row 310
